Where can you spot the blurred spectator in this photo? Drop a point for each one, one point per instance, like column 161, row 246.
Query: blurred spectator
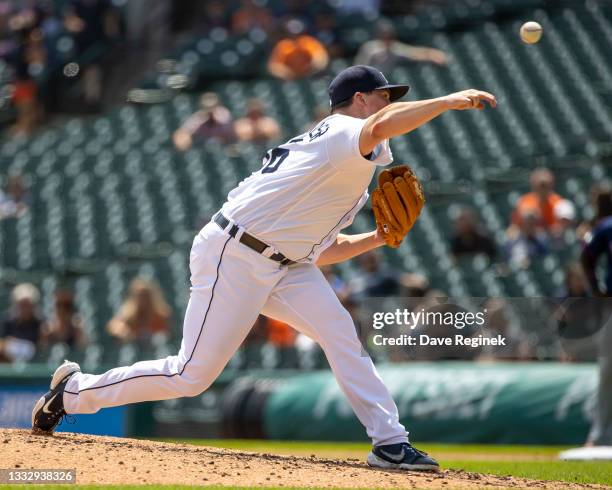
column 14, row 203
column 30, row 58
column 256, row 126
column 21, row 330
column 215, row 16
column 93, row 24
column 356, row 311
column 270, row 343
column 565, row 214
column 335, row 281
column 280, row 334
column 414, row 295
column 364, row 7
column 386, row 52
column 298, row 55
column 469, row 237
column 7, row 41
column 542, row 200
column 527, row 241
column 298, row 10
column 212, row 121
column 326, row 30
column 601, row 202
column 578, row 317
column 434, row 323
column 252, row 345
column 51, row 23
column 412, row 285
column 258, row 335
column 375, row 277
column 268, row 330
column 497, row 322
column 575, row 284
column 66, row 325
column 40, row 38
column 144, row 314
column 565, row 231
column 251, row 15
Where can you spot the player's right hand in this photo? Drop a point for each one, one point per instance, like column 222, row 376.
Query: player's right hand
column 470, row 99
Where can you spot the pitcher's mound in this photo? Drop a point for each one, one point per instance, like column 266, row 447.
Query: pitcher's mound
column 111, row 461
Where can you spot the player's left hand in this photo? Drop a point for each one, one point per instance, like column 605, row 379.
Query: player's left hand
column 397, row 203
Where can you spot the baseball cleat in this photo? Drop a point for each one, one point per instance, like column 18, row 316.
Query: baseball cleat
column 401, row 456
column 49, row 409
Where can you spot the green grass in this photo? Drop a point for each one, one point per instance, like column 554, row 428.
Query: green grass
column 568, row 471
column 537, row 462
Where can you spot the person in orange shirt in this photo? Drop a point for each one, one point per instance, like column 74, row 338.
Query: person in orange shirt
column 298, row 55
column 542, row 200
column 280, row 334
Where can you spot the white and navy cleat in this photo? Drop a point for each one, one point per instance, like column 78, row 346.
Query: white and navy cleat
column 49, row 409
column 402, row 456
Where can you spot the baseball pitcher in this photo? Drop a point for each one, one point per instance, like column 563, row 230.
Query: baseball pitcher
column 259, row 254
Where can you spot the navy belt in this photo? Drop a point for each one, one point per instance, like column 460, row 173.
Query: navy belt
column 249, row 240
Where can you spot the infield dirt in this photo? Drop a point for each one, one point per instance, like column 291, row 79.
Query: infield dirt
column 110, row 460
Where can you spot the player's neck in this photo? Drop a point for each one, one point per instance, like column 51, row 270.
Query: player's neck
column 350, row 111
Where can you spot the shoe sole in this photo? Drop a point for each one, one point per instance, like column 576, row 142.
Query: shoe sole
column 61, row 373
column 377, row 462
column 39, row 404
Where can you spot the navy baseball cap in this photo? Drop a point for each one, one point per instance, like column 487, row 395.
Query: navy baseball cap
column 361, row 78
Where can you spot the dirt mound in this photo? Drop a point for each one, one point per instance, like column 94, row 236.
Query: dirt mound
column 110, row 460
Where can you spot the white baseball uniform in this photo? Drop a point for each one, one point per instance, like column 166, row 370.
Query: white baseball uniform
column 307, row 191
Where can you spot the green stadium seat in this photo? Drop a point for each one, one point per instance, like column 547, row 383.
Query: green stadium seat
column 109, row 193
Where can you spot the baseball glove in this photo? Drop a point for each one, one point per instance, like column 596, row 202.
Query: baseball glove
column 397, row 203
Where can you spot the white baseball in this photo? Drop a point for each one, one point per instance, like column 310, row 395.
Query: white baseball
column 531, row 32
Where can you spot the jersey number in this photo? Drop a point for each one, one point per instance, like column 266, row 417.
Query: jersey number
column 273, row 159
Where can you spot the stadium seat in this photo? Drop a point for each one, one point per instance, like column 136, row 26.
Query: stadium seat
column 110, row 194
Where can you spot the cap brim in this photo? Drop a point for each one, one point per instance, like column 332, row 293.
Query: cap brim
column 397, row 91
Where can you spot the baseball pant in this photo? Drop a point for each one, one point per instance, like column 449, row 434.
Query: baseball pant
column 601, row 429
column 231, row 285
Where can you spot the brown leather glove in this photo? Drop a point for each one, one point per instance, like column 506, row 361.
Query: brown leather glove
column 397, row 203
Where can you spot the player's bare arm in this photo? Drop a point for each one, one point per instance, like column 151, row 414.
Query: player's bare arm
column 348, row 246
column 402, row 117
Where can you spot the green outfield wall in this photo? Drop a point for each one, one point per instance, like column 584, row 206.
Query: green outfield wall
column 543, row 403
